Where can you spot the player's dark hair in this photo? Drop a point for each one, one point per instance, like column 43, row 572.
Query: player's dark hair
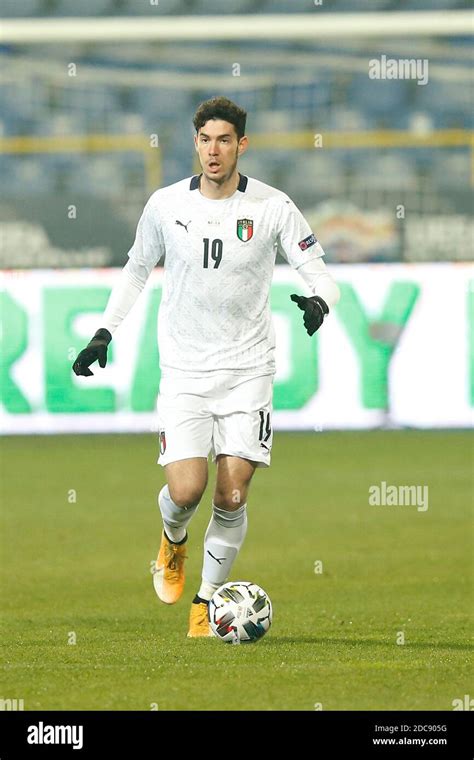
column 221, row 108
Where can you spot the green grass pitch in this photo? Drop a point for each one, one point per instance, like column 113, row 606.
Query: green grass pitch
column 79, row 571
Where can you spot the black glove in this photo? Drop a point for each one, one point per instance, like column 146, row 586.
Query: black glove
column 315, row 309
column 96, row 349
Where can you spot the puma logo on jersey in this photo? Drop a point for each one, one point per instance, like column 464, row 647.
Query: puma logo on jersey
column 184, row 225
column 220, row 560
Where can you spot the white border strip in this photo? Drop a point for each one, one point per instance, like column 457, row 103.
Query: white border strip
column 298, row 26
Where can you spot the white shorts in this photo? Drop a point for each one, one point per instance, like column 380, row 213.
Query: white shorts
column 222, row 414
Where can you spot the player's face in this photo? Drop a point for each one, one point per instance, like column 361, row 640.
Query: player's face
column 219, row 149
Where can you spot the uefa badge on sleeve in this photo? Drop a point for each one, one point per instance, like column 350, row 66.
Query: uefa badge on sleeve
column 244, row 229
column 162, row 442
column 308, row 242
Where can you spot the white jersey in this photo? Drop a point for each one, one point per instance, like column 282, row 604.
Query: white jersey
column 214, row 315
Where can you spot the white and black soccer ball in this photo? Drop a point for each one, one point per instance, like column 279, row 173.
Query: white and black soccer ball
column 240, row 612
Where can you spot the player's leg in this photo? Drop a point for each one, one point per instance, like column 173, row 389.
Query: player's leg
column 228, row 524
column 224, row 536
column 180, row 497
column 178, row 501
column 241, row 441
column 185, row 441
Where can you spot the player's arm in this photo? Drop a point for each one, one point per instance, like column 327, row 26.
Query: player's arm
column 325, row 292
column 145, row 253
column 299, row 246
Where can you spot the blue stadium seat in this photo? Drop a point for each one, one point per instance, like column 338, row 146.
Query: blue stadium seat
column 308, row 173
column 31, row 173
column 451, row 169
column 7, row 168
column 59, row 123
column 253, row 164
column 58, row 160
column 15, row 123
column 289, row 6
column 99, row 175
column 432, row 5
column 82, row 8
column 441, row 94
column 380, row 98
column 276, row 121
column 387, row 172
column 262, row 165
column 354, row 6
column 455, row 118
column 210, row 7
column 158, row 107
column 19, row 8
column 449, row 103
column 128, row 124
column 176, row 168
column 327, row 6
column 348, row 118
column 10, row 115
column 144, row 7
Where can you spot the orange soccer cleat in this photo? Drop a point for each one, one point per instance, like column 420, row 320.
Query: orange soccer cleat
column 168, row 572
column 199, row 621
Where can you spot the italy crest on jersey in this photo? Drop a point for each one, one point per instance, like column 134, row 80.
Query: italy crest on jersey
column 244, row 229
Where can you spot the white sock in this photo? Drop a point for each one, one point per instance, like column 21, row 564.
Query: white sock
column 224, row 537
column 206, row 590
column 175, row 519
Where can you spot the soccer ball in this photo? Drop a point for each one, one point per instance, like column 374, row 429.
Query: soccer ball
column 240, row 612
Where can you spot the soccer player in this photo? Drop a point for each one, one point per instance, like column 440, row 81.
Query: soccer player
column 219, row 232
